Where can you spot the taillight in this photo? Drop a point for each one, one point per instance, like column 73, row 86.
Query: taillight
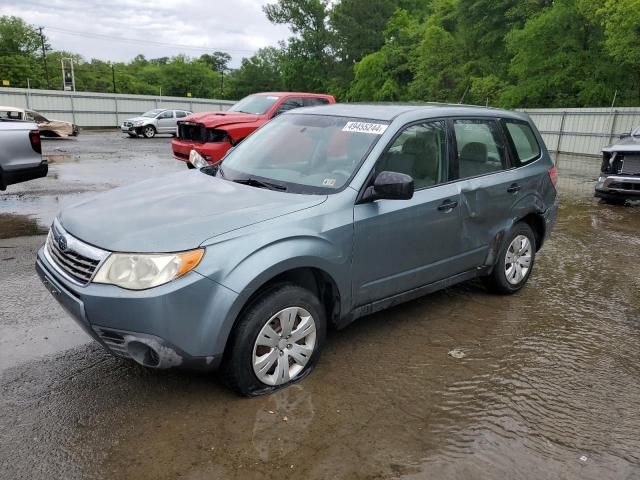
column 34, row 138
column 553, row 175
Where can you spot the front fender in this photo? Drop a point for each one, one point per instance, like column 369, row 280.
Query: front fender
column 271, row 260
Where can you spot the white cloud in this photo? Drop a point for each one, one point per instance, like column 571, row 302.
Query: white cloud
column 238, row 27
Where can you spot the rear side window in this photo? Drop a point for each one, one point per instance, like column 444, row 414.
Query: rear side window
column 311, row 101
column 480, row 147
column 181, row 114
column 524, row 141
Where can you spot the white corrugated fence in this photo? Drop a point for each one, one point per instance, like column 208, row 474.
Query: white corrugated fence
column 89, row 109
column 583, row 131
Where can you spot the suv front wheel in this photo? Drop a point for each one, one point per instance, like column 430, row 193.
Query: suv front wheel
column 149, row 131
column 277, row 340
column 515, row 261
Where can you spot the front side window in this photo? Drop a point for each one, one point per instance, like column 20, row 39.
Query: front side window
column 255, row 104
column 421, row 152
column 480, row 147
column 524, row 141
column 303, row 153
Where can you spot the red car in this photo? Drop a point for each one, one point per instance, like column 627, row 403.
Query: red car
column 212, row 134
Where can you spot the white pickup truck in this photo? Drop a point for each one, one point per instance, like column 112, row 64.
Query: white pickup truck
column 20, row 153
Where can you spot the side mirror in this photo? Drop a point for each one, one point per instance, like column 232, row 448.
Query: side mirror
column 390, row 186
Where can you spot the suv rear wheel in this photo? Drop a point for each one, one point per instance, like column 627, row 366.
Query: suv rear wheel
column 515, row 261
column 276, row 342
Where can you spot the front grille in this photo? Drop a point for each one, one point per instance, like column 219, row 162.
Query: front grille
column 181, row 155
column 128, row 124
column 631, row 164
column 194, row 132
column 113, row 340
column 633, row 187
column 76, row 259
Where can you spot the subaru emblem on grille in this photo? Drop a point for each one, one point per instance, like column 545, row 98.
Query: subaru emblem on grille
column 62, row 243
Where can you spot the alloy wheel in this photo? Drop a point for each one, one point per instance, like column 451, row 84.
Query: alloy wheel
column 517, row 260
column 284, row 346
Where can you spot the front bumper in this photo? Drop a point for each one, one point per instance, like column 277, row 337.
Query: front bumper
column 618, row 186
column 211, row 152
column 10, row 177
column 131, row 129
column 176, row 324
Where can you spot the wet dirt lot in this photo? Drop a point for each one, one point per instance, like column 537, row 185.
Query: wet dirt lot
column 549, row 386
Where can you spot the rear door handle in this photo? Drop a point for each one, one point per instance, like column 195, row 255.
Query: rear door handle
column 514, row 188
column 447, row 205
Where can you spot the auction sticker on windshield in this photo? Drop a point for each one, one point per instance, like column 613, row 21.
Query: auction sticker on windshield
column 364, row 127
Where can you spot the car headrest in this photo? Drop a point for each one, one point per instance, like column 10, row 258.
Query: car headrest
column 413, row 146
column 474, row 152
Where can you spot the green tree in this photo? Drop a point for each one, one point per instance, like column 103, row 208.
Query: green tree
column 386, row 74
column 558, row 60
column 307, row 61
column 217, row 61
column 439, row 75
column 359, row 26
column 260, row 73
column 20, row 60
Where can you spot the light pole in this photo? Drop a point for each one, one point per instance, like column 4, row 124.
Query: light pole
column 44, row 56
column 68, row 78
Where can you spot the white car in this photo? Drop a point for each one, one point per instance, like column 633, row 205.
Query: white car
column 48, row 128
column 153, row 122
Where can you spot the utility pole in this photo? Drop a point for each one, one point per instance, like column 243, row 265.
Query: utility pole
column 113, row 77
column 222, row 82
column 44, row 56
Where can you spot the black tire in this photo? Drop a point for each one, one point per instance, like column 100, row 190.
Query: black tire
column 237, row 366
column 497, row 281
column 613, row 201
column 190, row 166
column 149, row 131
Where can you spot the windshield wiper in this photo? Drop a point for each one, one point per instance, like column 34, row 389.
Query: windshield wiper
column 254, row 182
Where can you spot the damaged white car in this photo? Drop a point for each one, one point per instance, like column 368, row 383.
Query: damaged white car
column 48, row 128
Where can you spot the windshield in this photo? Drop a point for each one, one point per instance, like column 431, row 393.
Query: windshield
column 303, row 153
column 152, row 113
column 256, row 104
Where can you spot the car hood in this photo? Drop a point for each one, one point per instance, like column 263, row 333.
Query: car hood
column 217, row 119
column 176, row 212
column 138, row 119
column 627, row 144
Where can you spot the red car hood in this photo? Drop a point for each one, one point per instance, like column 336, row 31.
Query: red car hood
column 217, row 119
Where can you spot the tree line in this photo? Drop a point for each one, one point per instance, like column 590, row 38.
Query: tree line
column 509, row 53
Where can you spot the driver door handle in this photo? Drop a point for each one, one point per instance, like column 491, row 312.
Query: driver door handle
column 448, row 205
column 514, row 188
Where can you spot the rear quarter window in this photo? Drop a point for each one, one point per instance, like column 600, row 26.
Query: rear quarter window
column 524, row 141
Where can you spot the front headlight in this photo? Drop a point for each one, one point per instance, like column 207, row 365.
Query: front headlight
column 138, row 123
column 136, row 271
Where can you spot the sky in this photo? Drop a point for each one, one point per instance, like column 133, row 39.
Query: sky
column 118, row 30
